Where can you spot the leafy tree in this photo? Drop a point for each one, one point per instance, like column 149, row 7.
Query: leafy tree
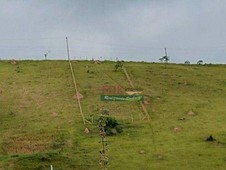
column 112, row 126
column 200, row 62
column 187, row 62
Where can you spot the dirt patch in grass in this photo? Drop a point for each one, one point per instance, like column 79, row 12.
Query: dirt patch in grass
column 177, row 129
column 54, row 114
column 13, row 62
column 133, row 92
column 191, row 113
column 27, row 143
column 78, row 96
column 146, row 101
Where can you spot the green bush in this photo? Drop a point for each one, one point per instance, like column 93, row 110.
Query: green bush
column 112, row 126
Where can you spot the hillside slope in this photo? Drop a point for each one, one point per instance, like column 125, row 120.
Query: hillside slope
column 41, row 124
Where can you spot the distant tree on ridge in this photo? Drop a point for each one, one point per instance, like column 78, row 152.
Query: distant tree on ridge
column 200, row 62
column 187, row 62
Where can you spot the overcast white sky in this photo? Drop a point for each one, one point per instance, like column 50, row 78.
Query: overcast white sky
column 126, row 29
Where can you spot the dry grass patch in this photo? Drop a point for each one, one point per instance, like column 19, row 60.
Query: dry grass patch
column 27, row 143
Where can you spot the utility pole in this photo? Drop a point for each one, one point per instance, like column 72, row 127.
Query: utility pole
column 67, row 50
column 75, row 85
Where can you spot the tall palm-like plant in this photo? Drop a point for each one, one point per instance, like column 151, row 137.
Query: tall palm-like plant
column 164, row 58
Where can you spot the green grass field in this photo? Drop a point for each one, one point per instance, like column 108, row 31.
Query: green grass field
column 40, row 122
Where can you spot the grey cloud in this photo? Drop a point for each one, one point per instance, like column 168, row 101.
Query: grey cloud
column 128, row 29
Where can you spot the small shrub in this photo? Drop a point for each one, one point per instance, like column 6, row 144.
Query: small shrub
column 112, row 126
column 119, row 64
column 210, row 139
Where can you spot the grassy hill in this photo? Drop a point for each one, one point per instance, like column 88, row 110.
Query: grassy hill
column 40, row 122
